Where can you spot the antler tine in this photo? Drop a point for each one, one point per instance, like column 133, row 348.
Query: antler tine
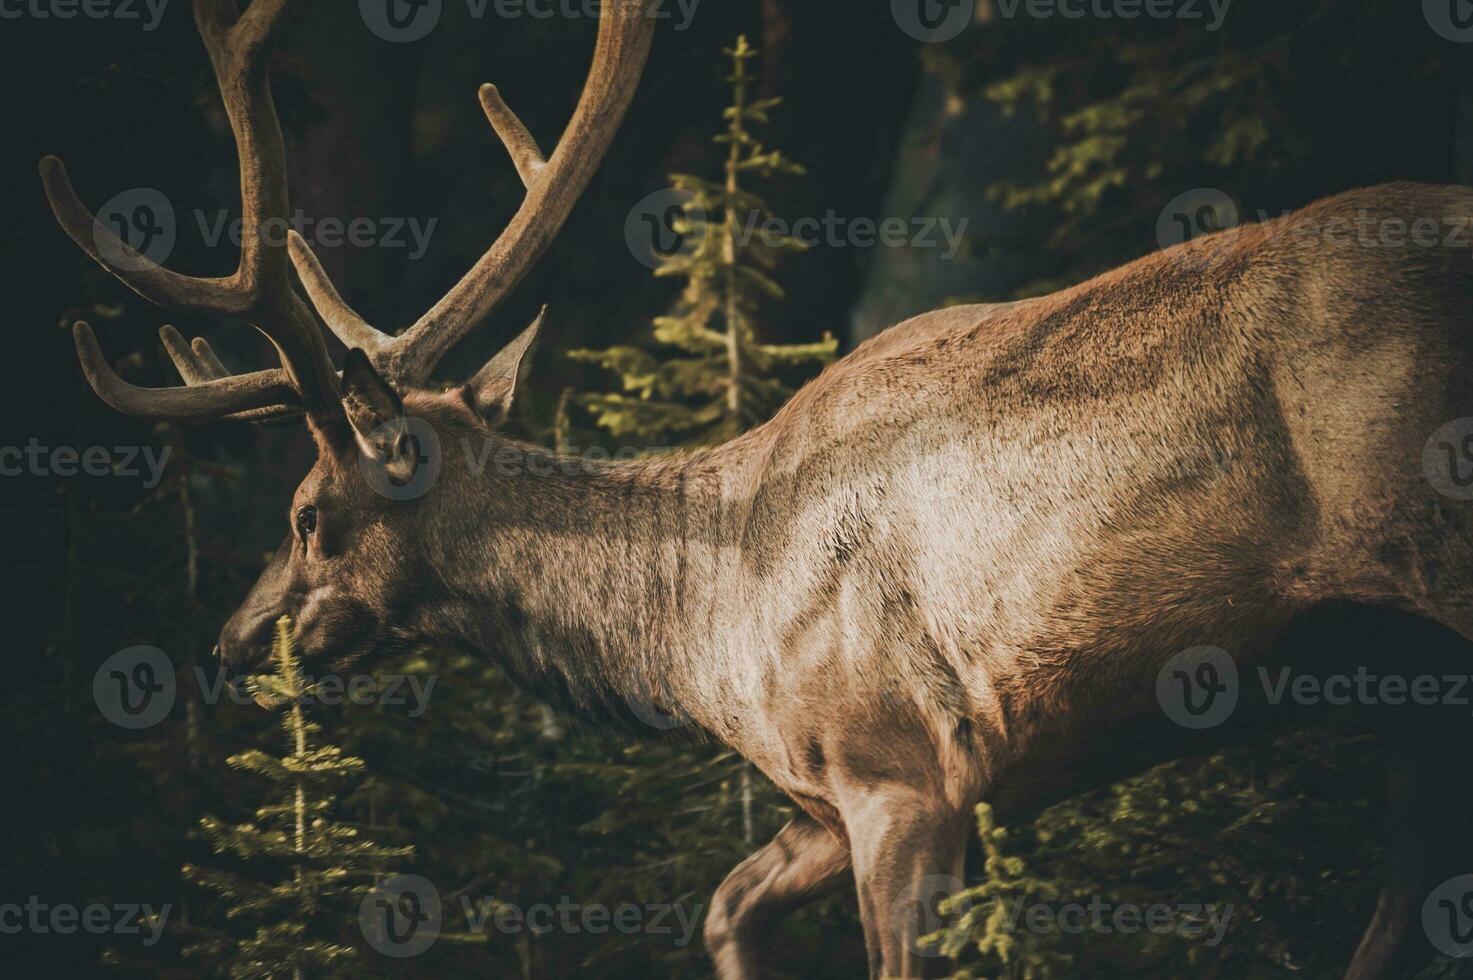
column 341, row 319
column 554, row 184
column 260, row 290
column 192, row 368
column 208, row 399
column 163, row 287
column 198, row 364
column 625, row 31
column 206, row 355
column 525, row 153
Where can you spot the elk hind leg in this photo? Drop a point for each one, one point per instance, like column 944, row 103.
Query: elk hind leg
column 802, row 862
column 1429, row 800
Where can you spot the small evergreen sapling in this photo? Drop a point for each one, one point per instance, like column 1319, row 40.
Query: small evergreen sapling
column 719, row 379
column 321, row 867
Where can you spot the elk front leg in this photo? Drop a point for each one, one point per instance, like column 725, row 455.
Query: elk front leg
column 802, row 862
column 908, row 856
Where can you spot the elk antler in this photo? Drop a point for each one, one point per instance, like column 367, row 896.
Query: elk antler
column 260, row 290
column 553, row 185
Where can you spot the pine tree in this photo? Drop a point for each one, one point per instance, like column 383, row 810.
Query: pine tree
column 328, row 864
column 720, row 379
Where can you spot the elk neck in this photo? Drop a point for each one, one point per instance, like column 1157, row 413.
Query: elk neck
column 608, row 589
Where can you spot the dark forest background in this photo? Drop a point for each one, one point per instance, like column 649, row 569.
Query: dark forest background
column 1061, row 143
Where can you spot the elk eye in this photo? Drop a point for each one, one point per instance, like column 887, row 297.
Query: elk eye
column 306, row 521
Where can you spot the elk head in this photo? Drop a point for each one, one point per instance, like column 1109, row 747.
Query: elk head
column 356, row 568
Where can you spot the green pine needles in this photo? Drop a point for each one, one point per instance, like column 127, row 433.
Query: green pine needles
column 317, row 869
column 715, row 379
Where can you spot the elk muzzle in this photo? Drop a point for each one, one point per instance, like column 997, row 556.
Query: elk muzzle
column 245, row 640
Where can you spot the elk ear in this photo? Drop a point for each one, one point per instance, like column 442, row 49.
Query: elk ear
column 376, row 413
column 494, row 386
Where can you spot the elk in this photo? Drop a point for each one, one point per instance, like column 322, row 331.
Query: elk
column 950, row 570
